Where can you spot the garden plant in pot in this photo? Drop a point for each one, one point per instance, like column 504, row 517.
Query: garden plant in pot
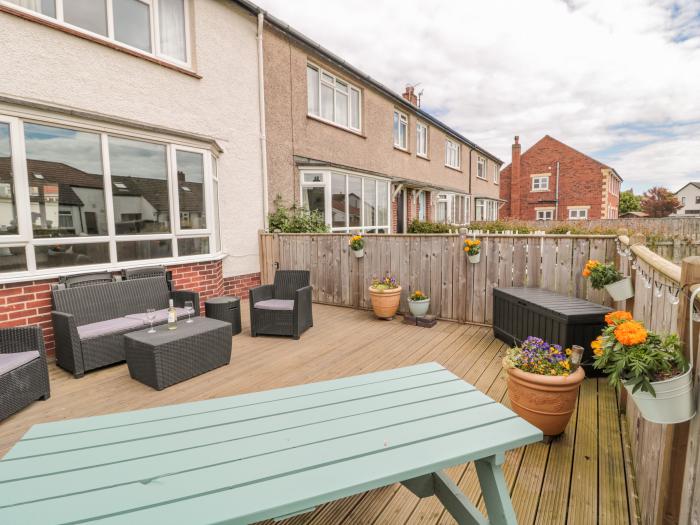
column 418, row 303
column 385, row 296
column 608, row 277
column 650, row 366
column 543, row 382
column 472, row 247
column 357, row 245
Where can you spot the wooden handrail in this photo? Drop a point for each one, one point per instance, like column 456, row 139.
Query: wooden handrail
column 666, row 267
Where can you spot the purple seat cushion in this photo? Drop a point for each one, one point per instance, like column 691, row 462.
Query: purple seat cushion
column 8, row 362
column 161, row 315
column 275, row 304
column 111, row 326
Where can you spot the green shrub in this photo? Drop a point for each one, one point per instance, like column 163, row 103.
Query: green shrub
column 500, row 227
column 295, row 219
column 431, row 227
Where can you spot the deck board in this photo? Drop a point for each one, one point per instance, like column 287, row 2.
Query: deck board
column 347, row 342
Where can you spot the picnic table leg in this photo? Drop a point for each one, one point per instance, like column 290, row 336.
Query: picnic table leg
column 495, row 491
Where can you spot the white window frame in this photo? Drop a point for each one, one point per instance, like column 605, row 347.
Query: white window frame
column 25, row 238
column 421, row 131
column 574, row 213
column 481, row 168
column 453, row 148
column 544, row 214
column 351, row 88
column 154, row 28
column 540, row 183
column 496, row 173
column 326, row 183
column 488, row 209
column 403, row 125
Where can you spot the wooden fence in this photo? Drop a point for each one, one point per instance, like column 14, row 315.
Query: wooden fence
column 687, row 228
column 437, row 265
column 675, row 250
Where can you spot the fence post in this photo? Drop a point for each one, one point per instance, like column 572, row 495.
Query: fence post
column 684, row 453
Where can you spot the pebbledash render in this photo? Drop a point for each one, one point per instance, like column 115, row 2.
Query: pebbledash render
column 368, row 159
column 553, row 181
column 128, row 137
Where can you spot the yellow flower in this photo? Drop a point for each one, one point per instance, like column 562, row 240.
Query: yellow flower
column 566, row 364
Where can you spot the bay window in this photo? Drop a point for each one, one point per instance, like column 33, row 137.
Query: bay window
column 132, row 23
column 486, row 209
column 348, row 201
column 76, row 198
column 452, row 208
column 332, row 99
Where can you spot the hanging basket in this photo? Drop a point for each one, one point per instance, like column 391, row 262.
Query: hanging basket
column 674, row 401
column 474, row 259
column 359, row 254
column 621, row 290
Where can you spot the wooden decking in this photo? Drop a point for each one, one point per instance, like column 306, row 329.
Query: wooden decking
column 577, row 479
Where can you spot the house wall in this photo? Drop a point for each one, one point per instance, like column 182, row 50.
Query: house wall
column 690, row 192
column 291, row 132
column 222, row 105
column 582, row 182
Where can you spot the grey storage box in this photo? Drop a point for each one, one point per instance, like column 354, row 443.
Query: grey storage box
column 558, row 319
column 226, row 309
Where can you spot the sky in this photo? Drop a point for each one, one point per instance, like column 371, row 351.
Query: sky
column 616, row 79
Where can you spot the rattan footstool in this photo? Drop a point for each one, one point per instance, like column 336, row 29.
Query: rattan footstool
column 166, row 357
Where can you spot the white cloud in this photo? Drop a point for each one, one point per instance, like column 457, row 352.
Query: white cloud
column 574, row 69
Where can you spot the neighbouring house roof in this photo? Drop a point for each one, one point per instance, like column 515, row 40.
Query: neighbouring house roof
column 696, row 184
column 552, row 139
column 332, row 57
column 639, row 214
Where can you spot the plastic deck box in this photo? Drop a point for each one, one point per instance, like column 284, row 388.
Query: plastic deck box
column 522, row 312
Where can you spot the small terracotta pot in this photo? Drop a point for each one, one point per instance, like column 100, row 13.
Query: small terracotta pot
column 544, row 401
column 385, row 303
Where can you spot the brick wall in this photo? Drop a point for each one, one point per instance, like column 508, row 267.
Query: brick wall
column 580, row 179
column 29, row 302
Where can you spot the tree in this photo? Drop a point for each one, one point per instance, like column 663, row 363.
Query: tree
column 630, row 202
column 660, row 202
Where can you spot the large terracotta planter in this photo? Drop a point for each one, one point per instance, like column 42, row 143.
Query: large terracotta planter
column 385, row 303
column 545, row 401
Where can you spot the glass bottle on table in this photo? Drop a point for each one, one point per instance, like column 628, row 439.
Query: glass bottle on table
column 172, row 316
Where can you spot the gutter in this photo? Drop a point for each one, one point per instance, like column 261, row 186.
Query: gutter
column 329, row 55
column 263, row 127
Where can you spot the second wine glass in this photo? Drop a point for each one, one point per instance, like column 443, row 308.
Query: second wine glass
column 189, row 307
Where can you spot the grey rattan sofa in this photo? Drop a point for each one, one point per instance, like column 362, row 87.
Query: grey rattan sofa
column 89, row 322
column 283, row 308
column 24, row 376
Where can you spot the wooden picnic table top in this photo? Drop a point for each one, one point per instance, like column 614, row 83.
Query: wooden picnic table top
column 256, row 456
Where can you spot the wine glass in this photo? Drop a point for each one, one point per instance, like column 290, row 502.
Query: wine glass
column 151, row 316
column 189, row 307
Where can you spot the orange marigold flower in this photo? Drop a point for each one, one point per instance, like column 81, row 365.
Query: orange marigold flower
column 586, row 272
column 617, row 317
column 631, row 333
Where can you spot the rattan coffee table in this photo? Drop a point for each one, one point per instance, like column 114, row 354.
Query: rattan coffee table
column 166, row 357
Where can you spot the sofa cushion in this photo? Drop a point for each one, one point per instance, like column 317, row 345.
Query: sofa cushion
column 111, row 326
column 275, row 304
column 8, row 362
column 161, row 316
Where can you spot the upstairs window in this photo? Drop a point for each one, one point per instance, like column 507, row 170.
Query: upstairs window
column 496, row 173
column 332, row 99
column 452, row 155
column 540, row 183
column 128, row 22
column 481, row 167
column 400, row 130
column 421, row 139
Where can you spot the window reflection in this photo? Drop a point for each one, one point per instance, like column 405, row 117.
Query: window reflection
column 139, row 186
column 66, row 186
column 139, row 250
column 13, row 259
column 71, row 255
column 190, row 188
column 193, row 246
column 8, row 206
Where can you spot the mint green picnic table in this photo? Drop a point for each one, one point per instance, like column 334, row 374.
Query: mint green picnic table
column 273, row 454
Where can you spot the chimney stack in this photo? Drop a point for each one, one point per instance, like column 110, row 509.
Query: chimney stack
column 515, row 182
column 410, row 95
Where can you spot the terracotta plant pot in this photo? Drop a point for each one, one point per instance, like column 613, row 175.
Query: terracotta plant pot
column 385, row 303
column 545, row 401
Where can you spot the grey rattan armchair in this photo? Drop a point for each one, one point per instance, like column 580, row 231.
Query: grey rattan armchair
column 283, row 308
column 24, row 376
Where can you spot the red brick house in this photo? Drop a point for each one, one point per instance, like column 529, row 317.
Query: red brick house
column 553, row 181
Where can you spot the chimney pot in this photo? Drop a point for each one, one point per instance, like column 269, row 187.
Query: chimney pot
column 517, row 139
column 410, row 95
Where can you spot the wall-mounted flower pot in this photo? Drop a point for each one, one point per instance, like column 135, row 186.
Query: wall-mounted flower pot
column 385, row 303
column 359, row 254
column 474, row 259
column 621, row 290
column 419, row 308
column 546, row 402
column 674, row 401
